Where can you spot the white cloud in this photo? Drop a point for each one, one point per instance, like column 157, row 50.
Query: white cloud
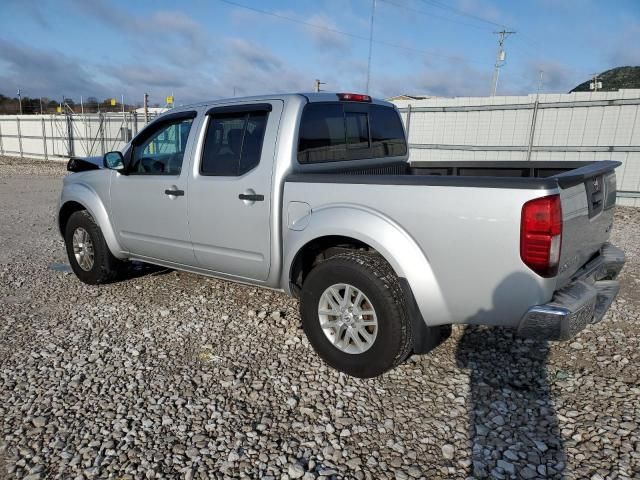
column 452, row 77
column 324, row 38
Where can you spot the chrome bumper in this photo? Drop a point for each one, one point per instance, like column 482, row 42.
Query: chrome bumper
column 585, row 300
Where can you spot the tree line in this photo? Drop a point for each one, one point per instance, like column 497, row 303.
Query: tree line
column 11, row 106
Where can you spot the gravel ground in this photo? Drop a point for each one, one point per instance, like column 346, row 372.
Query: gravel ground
column 170, row 375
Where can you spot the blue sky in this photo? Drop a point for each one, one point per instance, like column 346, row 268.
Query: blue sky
column 204, row 49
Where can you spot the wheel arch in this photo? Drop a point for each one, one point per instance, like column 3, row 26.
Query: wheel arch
column 316, row 250
column 359, row 227
column 66, row 210
column 77, row 197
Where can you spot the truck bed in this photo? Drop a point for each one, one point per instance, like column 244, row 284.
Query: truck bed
column 536, row 175
column 470, row 234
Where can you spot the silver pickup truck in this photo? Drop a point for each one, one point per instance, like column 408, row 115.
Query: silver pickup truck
column 312, row 194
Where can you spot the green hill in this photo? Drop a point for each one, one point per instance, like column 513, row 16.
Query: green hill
column 614, row 79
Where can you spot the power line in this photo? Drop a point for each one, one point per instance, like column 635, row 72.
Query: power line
column 432, row 15
column 444, row 6
column 291, row 19
column 340, row 32
column 523, row 37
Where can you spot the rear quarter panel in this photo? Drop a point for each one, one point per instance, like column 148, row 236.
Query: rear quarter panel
column 462, row 254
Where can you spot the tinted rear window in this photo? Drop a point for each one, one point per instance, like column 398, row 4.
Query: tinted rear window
column 330, row 132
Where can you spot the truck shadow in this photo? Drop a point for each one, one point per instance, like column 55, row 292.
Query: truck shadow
column 137, row 269
column 513, row 428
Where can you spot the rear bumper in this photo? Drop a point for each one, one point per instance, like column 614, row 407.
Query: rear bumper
column 583, row 301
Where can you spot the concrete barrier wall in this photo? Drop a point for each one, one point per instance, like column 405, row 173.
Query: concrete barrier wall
column 579, row 126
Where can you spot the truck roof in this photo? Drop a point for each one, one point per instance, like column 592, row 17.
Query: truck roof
column 310, row 96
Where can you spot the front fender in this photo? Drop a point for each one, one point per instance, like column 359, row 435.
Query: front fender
column 89, row 199
column 390, row 240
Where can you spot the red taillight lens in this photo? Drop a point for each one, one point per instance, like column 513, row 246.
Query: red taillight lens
column 541, row 235
column 353, row 97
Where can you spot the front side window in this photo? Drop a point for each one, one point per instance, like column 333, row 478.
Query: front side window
column 233, row 143
column 163, row 151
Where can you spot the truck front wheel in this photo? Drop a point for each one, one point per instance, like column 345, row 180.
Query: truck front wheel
column 354, row 314
column 88, row 253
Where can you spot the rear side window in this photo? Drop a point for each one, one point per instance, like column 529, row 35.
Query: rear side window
column 387, row 134
column 233, row 144
column 330, row 132
column 322, row 133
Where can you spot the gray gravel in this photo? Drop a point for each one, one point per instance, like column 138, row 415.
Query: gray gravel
column 170, row 375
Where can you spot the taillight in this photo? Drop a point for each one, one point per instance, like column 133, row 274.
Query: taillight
column 541, row 235
column 353, row 97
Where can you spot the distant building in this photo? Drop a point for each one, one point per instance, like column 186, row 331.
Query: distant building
column 408, row 97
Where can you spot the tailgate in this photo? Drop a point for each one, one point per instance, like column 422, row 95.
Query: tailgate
column 588, row 195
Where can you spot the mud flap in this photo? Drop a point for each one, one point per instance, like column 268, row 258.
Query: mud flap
column 425, row 338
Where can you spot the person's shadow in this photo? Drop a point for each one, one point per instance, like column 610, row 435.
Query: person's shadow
column 514, row 431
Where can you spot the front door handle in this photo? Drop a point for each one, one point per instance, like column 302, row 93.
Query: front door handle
column 252, row 197
column 174, row 193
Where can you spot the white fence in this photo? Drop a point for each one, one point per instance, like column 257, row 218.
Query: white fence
column 62, row 136
column 577, row 126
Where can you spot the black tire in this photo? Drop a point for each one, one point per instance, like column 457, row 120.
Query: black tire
column 106, row 268
column 373, row 276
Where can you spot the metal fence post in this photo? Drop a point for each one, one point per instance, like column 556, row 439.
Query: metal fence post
column 70, row 134
column 532, row 130
column 44, row 139
column 408, row 122
column 19, row 136
column 125, row 119
column 53, row 136
column 86, row 135
column 1, row 145
column 101, row 130
column 135, row 123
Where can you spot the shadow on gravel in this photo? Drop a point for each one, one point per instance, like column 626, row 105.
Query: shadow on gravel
column 141, row 269
column 132, row 270
column 513, row 426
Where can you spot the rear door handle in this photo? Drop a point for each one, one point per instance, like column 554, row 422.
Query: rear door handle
column 174, row 193
column 252, row 197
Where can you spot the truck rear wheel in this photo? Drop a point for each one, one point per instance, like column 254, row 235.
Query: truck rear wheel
column 88, row 253
column 354, row 314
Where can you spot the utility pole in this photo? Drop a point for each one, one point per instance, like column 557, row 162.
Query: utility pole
column 595, row 85
column 317, row 83
column 20, row 101
column 500, row 59
column 373, row 13
column 146, row 108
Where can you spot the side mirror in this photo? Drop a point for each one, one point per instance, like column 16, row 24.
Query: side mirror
column 114, row 161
